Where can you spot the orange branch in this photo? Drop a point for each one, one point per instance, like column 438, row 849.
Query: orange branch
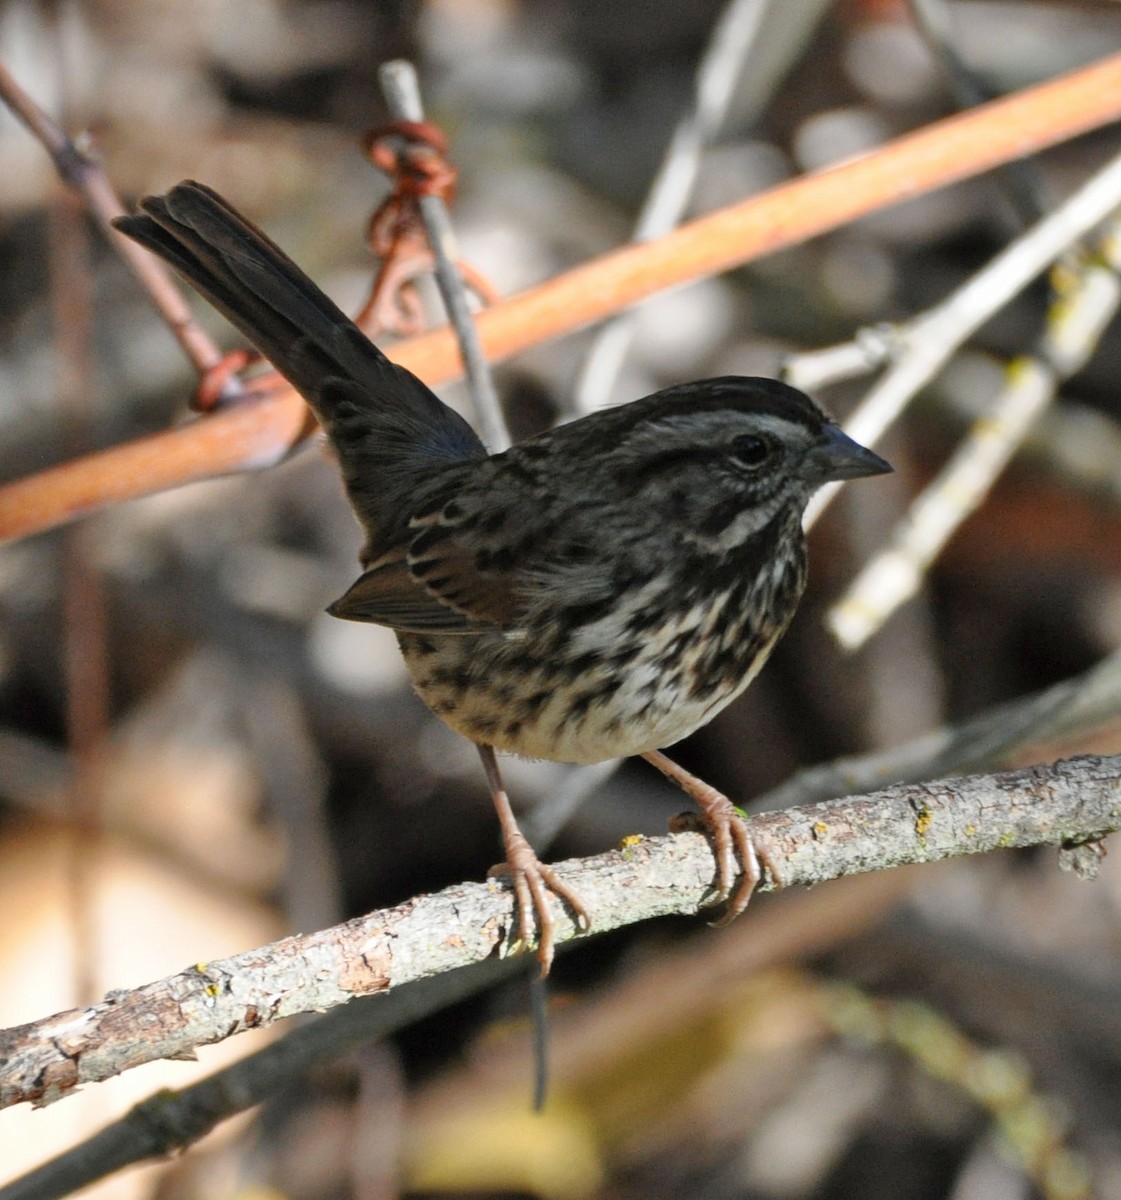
column 260, row 431
column 942, row 153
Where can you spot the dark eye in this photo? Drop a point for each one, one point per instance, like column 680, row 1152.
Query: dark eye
column 749, row 450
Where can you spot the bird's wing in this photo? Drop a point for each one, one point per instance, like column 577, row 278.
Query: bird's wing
column 443, row 578
column 389, row 594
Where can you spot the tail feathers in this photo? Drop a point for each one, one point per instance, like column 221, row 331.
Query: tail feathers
column 385, row 424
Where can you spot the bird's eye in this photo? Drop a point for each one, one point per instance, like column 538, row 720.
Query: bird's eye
column 749, row 450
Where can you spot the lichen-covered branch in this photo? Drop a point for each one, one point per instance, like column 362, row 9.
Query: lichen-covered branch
column 1074, row 801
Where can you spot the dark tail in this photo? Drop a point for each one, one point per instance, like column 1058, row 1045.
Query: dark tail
column 386, row 426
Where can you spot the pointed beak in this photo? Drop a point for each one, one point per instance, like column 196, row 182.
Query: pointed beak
column 837, row 456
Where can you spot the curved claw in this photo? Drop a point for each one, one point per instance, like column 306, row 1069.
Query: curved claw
column 533, row 880
column 734, row 841
column 736, row 851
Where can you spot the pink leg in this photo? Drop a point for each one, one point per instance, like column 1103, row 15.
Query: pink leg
column 736, row 852
column 533, row 879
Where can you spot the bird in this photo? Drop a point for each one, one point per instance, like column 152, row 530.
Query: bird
column 597, row 591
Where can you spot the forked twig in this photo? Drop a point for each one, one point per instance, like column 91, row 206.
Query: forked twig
column 1085, row 305
column 930, row 340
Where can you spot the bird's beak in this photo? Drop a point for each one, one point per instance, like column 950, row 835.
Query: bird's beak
column 837, row 456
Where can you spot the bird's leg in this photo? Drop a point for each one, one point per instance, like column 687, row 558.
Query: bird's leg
column 533, row 879
column 731, row 839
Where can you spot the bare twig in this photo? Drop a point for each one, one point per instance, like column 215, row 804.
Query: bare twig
column 1079, row 315
column 729, row 47
column 1073, row 801
column 402, row 94
column 87, row 176
column 872, row 348
column 261, row 431
column 1077, row 444
column 294, row 777
column 170, row 1121
column 596, row 1031
column 930, row 340
column 1021, row 181
column 1082, row 703
column 85, row 631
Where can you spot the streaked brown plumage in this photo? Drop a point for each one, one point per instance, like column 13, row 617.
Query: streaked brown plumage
column 602, row 589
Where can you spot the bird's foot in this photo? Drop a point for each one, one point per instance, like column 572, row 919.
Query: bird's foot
column 533, row 880
column 738, row 854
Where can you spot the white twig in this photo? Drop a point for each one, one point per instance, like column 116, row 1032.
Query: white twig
column 1079, row 315
column 733, row 36
column 870, row 349
column 1082, row 446
column 402, row 95
column 931, row 339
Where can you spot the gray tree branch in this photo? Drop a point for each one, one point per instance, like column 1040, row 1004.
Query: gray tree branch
column 1069, row 802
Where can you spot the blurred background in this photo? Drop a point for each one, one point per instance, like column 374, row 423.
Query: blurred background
column 195, row 759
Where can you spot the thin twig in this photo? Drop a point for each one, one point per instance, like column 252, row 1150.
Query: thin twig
column 871, row 348
column 402, row 95
column 1022, row 181
column 989, row 740
column 933, row 338
column 1074, row 442
column 1076, row 320
column 84, row 619
column 1078, row 444
column 729, row 48
column 263, row 430
column 86, row 175
column 294, row 778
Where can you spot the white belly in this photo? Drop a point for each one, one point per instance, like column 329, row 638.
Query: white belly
column 491, row 690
